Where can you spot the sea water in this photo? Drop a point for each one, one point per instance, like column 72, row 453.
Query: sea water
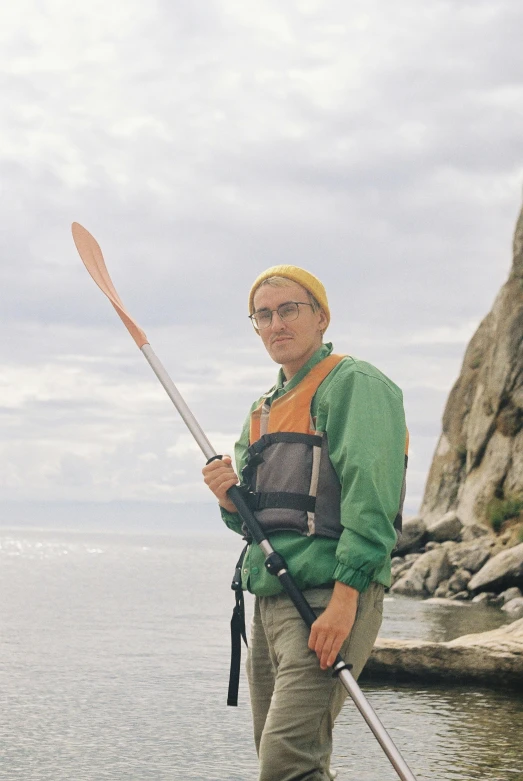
column 114, row 654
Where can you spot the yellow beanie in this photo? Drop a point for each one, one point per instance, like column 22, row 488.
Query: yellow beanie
column 295, row 274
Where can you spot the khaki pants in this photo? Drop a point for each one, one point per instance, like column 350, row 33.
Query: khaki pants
column 294, row 702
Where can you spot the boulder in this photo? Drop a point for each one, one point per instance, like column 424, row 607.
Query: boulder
column 462, row 595
column 473, row 531
column 494, row 658
column 471, row 555
column 412, row 584
column 426, row 573
column 439, row 569
column 441, row 591
column 500, row 572
column 484, row 598
column 514, row 608
column 412, row 537
column 510, row 593
column 459, row 581
column 447, row 528
column 398, row 567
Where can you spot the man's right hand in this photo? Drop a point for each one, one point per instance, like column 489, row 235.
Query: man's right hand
column 220, row 476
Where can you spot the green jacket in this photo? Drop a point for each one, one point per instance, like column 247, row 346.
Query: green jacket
column 362, row 412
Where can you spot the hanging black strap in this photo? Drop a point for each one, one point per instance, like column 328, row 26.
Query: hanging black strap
column 238, row 632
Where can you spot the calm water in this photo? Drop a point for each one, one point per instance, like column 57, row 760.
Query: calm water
column 114, row 665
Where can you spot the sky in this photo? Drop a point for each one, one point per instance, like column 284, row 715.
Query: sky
column 377, row 144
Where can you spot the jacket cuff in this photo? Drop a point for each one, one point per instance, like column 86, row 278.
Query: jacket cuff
column 232, row 520
column 352, row 577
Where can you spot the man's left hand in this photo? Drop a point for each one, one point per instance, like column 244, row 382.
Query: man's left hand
column 331, row 629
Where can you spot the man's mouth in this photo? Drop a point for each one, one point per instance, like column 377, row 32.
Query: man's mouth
column 281, row 339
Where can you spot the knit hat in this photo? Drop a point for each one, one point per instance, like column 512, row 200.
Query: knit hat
column 295, row 274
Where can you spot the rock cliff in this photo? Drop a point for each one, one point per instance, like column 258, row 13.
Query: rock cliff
column 479, row 455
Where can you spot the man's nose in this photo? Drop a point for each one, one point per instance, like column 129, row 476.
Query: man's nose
column 276, row 323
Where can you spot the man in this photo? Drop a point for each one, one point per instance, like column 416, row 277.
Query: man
column 328, row 494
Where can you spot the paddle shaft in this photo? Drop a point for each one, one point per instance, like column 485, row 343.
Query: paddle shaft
column 276, row 565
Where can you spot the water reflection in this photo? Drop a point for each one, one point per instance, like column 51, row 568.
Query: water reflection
column 410, row 619
column 444, row 734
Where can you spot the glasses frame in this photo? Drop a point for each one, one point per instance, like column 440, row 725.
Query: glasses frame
column 256, row 327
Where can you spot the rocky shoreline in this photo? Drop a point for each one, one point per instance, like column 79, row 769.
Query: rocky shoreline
column 450, row 563
column 457, row 562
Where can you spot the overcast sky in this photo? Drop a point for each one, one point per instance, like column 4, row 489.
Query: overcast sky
column 376, row 143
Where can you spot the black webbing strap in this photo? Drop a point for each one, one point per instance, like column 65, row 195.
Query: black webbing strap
column 283, row 500
column 238, row 632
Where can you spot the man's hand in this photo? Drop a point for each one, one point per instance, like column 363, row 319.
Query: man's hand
column 331, row 629
column 220, row 476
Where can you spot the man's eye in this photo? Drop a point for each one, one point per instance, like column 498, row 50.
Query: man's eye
column 286, row 309
column 263, row 317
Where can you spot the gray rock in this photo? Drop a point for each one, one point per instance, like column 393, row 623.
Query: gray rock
column 398, row 570
column 426, row 573
column 500, row 572
column 447, row 528
column 459, row 581
column 412, row 537
column 510, row 593
column 441, row 591
column 469, row 555
column 440, row 569
column 396, row 560
column 473, row 560
column 432, row 545
column 412, row 557
column 484, row 598
column 462, row 595
column 514, row 608
column 412, row 584
column 473, row 531
column 494, row 657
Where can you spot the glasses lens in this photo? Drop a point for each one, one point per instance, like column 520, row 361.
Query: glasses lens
column 288, row 311
column 262, row 319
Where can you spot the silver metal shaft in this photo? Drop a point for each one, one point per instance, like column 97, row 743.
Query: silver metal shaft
column 174, row 394
column 379, row 731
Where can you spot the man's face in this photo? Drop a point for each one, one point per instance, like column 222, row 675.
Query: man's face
column 290, row 344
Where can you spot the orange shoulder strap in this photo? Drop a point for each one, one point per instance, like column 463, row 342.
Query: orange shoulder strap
column 292, row 411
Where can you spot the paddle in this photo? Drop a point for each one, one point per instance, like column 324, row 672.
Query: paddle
column 92, row 257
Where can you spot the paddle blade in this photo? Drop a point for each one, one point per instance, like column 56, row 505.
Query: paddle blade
column 91, row 254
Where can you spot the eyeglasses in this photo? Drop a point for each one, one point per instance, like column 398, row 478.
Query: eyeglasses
column 287, row 311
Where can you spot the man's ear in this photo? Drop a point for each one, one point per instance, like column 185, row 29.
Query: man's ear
column 323, row 321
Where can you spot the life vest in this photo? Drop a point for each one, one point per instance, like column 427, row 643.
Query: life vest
column 291, row 482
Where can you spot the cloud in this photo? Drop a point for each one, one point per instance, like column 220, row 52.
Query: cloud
column 377, row 145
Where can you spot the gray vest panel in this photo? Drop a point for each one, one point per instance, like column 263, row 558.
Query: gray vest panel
column 301, row 469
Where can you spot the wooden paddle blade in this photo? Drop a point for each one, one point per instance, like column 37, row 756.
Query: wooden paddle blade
column 91, row 255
